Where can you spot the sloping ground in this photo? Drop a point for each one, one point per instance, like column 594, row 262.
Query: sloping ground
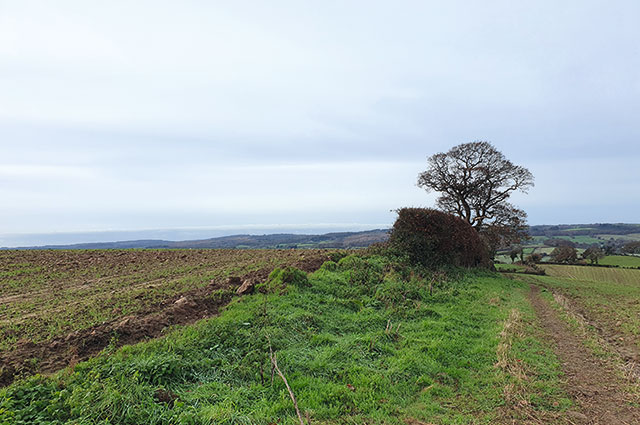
column 59, row 308
column 361, row 341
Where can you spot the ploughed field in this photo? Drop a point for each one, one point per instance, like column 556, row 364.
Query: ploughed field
column 58, row 307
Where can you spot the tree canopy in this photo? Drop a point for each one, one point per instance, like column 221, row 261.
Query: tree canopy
column 475, row 181
column 564, row 254
column 593, row 254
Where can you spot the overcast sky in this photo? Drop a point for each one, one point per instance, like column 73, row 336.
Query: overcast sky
column 126, row 115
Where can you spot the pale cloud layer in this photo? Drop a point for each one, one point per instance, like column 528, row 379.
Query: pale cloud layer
column 153, row 114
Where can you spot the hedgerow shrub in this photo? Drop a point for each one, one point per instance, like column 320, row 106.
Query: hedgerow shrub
column 435, row 239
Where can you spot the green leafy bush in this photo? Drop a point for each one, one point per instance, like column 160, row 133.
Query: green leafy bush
column 280, row 278
column 330, row 266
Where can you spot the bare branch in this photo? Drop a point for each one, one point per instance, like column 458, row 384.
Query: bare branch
column 274, row 366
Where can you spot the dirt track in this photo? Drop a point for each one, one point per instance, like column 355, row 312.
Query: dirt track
column 595, row 385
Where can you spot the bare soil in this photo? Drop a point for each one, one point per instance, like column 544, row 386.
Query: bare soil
column 28, row 358
column 595, row 384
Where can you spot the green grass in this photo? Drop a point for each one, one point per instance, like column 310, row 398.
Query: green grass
column 577, row 229
column 580, row 239
column 628, row 237
column 603, row 275
column 621, row 261
column 360, row 341
column 609, row 295
column 509, row 267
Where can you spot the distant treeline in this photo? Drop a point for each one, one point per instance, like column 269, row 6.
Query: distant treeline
column 584, row 229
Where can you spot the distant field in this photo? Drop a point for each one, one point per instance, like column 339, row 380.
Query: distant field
column 581, row 239
column 630, row 237
column 621, row 261
column 503, row 267
column 577, row 229
column 595, row 274
column 543, row 250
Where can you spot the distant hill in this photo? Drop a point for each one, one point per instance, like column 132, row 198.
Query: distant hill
column 582, row 234
column 584, row 229
column 283, row 240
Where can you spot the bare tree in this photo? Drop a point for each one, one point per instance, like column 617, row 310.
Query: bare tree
column 475, row 181
column 564, row 254
column 593, row 254
column 516, row 251
column 631, row 248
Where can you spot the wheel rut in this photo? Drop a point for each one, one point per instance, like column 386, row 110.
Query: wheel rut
column 595, row 385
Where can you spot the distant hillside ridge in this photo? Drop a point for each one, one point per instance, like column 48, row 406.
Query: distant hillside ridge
column 361, row 239
column 584, row 229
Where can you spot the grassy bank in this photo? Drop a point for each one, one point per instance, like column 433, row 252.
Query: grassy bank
column 359, row 341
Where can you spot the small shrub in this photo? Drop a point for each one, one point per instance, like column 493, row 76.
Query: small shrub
column 280, row 278
column 336, row 256
column 378, row 248
column 362, row 271
column 533, row 269
column 329, row 266
column 534, row 258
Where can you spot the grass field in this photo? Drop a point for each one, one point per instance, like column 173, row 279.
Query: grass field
column 361, row 341
column 577, row 229
column 621, row 261
column 629, row 237
column 47, row 295
column 509, row 267
column 610, row 295
column 580, row 239
column 618, row 276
